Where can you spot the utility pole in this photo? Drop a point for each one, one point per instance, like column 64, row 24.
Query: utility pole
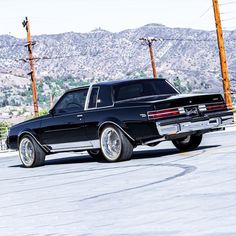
column 148, row 41
column 223, row 63
column 30, row 44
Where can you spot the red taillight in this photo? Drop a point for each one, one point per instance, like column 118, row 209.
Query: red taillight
column 213, row 107
column 162, row 113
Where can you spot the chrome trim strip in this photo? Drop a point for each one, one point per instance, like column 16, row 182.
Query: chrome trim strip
column 75, row 145
column 73, row 149
column 184, row 127
column 202, row 108
column 154, row 141
column 226, row 117
column 111, row 122
column 27, row 132
column 181, row 110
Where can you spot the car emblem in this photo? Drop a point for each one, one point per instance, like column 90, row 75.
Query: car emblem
column 190, row 101
column 191, row 111
column 143, row 115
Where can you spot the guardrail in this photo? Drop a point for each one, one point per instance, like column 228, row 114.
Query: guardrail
column 3, row 137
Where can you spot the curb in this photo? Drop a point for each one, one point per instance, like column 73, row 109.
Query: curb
column 230, row 127
column 8, row 154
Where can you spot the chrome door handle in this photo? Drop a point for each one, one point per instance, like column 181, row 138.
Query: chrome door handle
column 79, row 116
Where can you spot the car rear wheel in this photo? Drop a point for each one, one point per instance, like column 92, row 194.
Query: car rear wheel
column 187, row 143
column 115, row 146
column 31, row 154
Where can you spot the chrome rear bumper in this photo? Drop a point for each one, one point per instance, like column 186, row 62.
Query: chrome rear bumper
column 185, row 127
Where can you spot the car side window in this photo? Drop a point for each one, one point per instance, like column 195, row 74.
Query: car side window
column 104, row 97
column 100, row 97
column 71, row 102
column 93, row 98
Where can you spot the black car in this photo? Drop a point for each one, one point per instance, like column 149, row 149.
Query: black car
column 109, row 119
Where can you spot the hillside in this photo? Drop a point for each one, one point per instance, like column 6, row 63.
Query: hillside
column 189, row 58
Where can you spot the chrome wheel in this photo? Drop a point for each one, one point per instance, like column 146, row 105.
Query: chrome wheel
column 188, row 143
column 111, row 144
column 94, row 152
column 27, row 152
column 185, row 140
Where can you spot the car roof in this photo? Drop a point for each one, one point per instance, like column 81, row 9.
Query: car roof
column 77, row 88
column 111, row 83
column 115, row 82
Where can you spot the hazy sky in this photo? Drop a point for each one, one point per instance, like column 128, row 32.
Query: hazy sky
column 57, row 16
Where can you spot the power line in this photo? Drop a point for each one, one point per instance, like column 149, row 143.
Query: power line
column 227, row 12
column 12, row 46
column 205, row 12
column 227, row 3
column 229, row 19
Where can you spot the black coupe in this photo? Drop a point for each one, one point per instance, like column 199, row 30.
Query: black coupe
column 109, row 119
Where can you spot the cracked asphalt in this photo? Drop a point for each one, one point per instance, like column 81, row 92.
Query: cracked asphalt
column 159, row 192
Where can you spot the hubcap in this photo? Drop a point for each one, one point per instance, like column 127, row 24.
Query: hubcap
column 94, row 152
column 111, row 144
column 26, row 151
column 185, row 140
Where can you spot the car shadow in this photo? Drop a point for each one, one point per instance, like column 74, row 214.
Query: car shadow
column 164, row 152
column 137, row 154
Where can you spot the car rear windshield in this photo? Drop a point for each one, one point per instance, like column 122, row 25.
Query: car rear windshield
column 142, row 88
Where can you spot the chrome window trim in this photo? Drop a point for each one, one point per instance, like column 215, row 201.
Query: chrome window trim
column 86, row 108
column 178, row 92
column 97, row 108
column 90, row 96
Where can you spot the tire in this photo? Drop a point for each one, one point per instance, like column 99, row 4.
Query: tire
column 188, row 143
column 31, row 154
column 96, row 154
column 115, row 146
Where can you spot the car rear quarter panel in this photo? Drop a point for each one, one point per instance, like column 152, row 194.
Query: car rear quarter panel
column 132, row 119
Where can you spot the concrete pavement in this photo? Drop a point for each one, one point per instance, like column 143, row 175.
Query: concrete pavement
column 159, row 192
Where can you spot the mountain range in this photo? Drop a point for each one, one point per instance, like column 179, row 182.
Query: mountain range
column 189, row 58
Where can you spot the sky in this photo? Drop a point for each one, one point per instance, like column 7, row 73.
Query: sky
column 58, row 16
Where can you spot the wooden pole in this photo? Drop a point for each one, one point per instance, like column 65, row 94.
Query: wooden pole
column 31, row 62
column 154, row 71
column 223, row 63
column 149, row 42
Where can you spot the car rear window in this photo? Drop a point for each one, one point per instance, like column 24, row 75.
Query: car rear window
column 142, row 88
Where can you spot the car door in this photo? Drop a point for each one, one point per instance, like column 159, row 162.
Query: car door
column 64, row 128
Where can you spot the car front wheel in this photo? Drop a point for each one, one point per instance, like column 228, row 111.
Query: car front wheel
column 188, row 143
column 31, row 155
column 115, row 146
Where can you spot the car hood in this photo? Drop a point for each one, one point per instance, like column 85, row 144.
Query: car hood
column 30, row 121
